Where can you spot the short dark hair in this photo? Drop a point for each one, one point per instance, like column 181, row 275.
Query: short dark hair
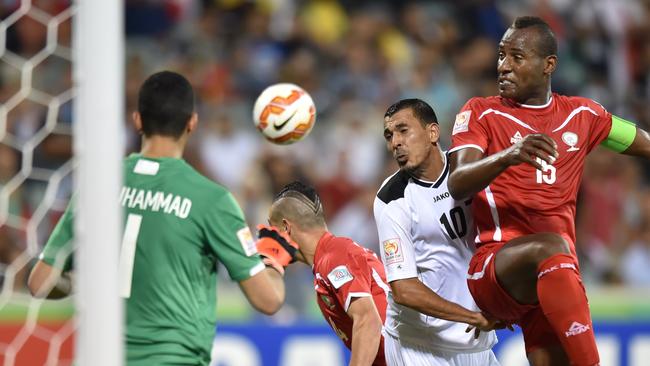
column 165, row 104
column 547, row 44
column 421, row 110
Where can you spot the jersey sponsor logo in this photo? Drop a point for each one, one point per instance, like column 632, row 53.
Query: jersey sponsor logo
column 155, row 201
column 462, row 122
column 575, row 329
column 516, row 138
column 340, row 276
column 246, row 240
column 441, row 196
column 392, row 251
column 570, row 139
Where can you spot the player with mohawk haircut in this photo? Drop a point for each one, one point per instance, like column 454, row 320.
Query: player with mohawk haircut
column 349, row 280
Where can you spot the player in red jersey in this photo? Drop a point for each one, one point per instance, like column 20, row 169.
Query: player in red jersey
column 521, row 156
column 349, row 280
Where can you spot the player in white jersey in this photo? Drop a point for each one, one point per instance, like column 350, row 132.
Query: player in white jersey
column 425, row 246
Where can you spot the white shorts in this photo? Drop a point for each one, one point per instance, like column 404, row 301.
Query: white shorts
column 400, row 354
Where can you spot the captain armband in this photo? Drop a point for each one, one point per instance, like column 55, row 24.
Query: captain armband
column 621, row 135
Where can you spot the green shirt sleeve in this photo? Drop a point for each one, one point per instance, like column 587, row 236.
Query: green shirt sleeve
column 58, row 249
column 231, row 240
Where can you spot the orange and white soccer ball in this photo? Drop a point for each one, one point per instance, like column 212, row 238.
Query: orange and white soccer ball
column 284, row 113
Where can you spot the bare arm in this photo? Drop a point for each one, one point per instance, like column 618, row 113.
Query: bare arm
column 641, row 144
column 366, row 331
column 414, row 294
column 46, row 281
column 471, row 172
column 265, row 291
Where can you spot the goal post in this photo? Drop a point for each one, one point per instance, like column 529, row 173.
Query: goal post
column 98, row 49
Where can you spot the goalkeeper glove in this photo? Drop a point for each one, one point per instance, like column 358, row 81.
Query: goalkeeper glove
column 276, row 249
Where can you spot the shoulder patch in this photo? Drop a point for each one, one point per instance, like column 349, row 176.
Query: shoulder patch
column 246, row 240
column 393, row 251
column 339, row 276
column 394, row 188
column 462, row 122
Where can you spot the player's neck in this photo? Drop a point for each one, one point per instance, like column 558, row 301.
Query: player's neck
column 162, row 147
column 431, row 169
column 308, row 242
column 537, row 100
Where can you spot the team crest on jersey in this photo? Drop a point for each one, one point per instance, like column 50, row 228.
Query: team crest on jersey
column 392, row 251
column 570, row 139
column 462, row 122
column 516, row 138
column 246, row 240
column 340, row 276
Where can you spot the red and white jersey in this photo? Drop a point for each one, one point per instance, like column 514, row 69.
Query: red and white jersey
column 343, row 270
column 523, row 200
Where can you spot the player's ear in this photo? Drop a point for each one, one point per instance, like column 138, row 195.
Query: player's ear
column 286, row 226
column 434, row 132
column 194, row 120
column 137, row 121
column 550, row 64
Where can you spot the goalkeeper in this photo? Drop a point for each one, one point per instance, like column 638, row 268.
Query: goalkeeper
column 178, row 224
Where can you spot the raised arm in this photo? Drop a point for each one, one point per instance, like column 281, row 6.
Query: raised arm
column 471, row 172
column 366, row 331
column 265, row 290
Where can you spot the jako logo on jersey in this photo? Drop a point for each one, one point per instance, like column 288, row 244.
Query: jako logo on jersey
column 570, row 139
column 392, row 251
column 462, row 122
column 516, row 138
column 441, row 196
column 576, row 328
column 340, row 276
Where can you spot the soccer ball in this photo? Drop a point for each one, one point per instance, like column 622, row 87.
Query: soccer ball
column 284, row 113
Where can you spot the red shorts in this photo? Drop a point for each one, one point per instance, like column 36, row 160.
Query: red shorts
column 492, row 299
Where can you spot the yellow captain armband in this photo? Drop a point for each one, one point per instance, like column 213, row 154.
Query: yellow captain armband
column 621, row 135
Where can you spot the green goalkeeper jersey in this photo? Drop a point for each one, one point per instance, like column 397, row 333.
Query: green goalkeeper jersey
column 178, row 224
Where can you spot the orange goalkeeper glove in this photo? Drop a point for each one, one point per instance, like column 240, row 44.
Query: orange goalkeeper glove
column 277, row 249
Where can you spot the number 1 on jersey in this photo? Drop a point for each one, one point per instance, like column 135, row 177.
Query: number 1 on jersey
column 127, row 254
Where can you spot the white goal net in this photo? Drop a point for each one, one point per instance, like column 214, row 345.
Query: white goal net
column 60, row 120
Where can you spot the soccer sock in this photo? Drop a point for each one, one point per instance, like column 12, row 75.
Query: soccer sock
column 564, row 303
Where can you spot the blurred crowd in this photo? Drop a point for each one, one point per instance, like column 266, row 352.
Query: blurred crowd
column 355, row 58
